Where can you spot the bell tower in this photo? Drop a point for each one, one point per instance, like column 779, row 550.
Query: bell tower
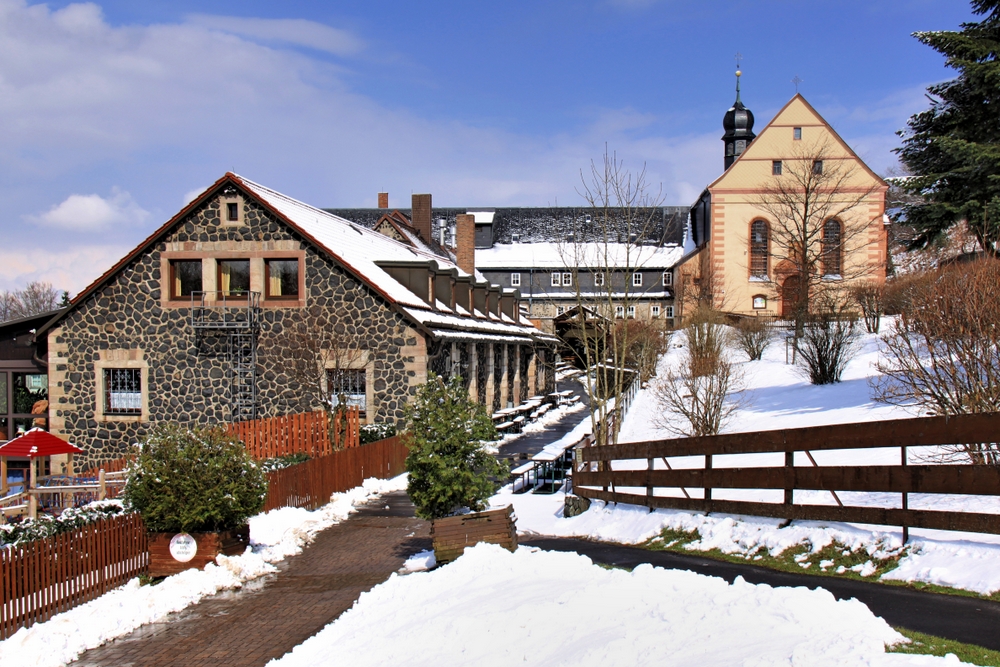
column 738, row 124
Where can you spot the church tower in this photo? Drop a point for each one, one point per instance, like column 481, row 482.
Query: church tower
column 738, row 124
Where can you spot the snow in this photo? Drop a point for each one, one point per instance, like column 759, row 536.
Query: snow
column 532, row 607
column 274, row 536
column 576, row 255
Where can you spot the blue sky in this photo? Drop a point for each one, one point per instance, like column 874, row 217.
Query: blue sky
column 113, row 114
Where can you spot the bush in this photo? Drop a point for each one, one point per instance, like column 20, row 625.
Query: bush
column 706, row 338
column 282, row 462
column 752, row 335
column 44, row 526
column 448, row 468
column 870, row 297
column 643, row 341
column 193, row 480
column 828, row 343
column 374, row 432
column 704, row 401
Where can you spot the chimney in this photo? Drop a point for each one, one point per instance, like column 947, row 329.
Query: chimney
column 383, row 200
column 420, row 216
column 465, row 242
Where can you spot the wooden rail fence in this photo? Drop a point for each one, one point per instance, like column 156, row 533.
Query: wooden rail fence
column 306, row 433
column 310, row 484
column 45, row 577
column 594, row 472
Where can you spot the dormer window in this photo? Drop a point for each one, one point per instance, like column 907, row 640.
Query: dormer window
column 515, row 238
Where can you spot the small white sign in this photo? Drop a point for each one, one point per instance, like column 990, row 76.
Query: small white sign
column 183, row 547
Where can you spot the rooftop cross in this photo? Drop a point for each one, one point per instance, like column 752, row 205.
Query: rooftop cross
column 796, row 80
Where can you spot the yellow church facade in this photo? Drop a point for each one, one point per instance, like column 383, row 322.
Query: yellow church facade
column 796, row 219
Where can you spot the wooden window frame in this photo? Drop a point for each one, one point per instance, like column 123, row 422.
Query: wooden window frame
column 515, row 279
column 218, row 278
column 267, row 279
column 174, row 296
column 751, row 249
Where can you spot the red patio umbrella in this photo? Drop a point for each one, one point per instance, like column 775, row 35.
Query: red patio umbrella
column 33, row 444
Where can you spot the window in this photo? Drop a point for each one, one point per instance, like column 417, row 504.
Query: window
column 636, row 280
column 668, row 278
column 818, row 167
column 515, row 280
column 619, row 311
column 669, row 312
column 831, row 248
column 234, row 277
column 282, row 278
column 515, row 238
column 560, row 310
column 776, row 168
column 759, row 302
column 122, row 391
column 348, row 385
column 23, row 402
column 631, row 312
column 567, row 279
column 185, row 278
column 232, row 211
column 797, row 133
column 759, row 249
column 556, row 279
column 598, row 280
column 654, row 310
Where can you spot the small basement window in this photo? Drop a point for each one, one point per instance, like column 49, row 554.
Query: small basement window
column 185, row 278
column 122, row 391
column 282, row 276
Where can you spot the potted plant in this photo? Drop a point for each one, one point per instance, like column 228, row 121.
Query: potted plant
column 195, row 488
column 451, row 475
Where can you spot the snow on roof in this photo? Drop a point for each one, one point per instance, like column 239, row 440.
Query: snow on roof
column 482, row 217
column 432, row 319
column 353, row 245
column 587, row 255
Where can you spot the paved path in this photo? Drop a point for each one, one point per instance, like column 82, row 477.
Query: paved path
column 269, row 617
column 529, row 444
column 964, row 619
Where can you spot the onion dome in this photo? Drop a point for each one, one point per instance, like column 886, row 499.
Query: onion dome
column 738, row 124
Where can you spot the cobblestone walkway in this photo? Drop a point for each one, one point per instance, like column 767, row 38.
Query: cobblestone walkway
column 268, row 617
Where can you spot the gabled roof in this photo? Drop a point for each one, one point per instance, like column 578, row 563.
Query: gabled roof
column 410, row 236
column 809, row 108
column 355, row 248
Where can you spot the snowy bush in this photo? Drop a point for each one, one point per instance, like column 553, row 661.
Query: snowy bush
column 44, row 526
column 193, row 480
column 282, row 462
column 374, row 432
column 448, row 468
column 829, row 341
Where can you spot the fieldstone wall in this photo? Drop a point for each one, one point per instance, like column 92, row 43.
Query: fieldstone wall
column 191, row 384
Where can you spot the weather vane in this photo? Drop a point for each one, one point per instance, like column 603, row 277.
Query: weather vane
column 797, row 81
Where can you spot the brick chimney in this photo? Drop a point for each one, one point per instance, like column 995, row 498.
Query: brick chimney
column 383, row 200
column 420, row 216
column 465, row 242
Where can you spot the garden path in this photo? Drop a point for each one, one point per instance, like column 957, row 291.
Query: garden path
column 247, row 628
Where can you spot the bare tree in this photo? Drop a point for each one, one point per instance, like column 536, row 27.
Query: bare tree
column 605, row 252
column 943, row 353
column 35, row 298
column 819, row 226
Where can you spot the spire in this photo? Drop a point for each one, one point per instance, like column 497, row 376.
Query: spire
column 738, row 123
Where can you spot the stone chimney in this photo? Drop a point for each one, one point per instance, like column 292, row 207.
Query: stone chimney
column 420, row 216
column 465, row 242
column 383, row 200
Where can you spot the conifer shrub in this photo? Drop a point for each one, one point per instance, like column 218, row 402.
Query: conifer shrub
column 449, row 470
column 193, row 480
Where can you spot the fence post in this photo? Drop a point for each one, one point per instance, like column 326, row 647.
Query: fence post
column 102, row 490
column 649, row 483
column 906, row 496
column 708, row 466
column 789, row 484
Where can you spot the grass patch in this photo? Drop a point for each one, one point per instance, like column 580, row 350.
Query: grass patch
column 799, row 560
column 922, row 644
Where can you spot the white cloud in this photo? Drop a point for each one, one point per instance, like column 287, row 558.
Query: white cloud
column 69, row 270
column 87, row 213
column 299, row 32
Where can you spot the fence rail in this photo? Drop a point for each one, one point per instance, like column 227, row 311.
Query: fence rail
column 310, row 484
column 594, row 472
column 305, row 433
column 49, row 576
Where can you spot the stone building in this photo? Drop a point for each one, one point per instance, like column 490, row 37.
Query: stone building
column 248, row 304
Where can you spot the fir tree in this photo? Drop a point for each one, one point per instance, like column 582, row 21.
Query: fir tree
column 953, row 148
column 449, row 469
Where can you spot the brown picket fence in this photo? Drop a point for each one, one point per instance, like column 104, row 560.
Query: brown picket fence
column 45, row 577
column 310, row 484
column 304, row 433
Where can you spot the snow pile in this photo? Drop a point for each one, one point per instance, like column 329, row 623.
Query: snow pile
column 274, row 536
column 423, row 560
column 493, row 607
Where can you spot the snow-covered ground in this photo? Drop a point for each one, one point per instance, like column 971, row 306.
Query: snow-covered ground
column 531, row 607
column 274, row 536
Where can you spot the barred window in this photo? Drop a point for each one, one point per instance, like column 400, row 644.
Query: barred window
column 758, row 249
column 349, row 385
column 123, row 391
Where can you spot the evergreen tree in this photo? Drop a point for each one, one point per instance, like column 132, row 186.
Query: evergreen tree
column 953, row 148
column 449, row 469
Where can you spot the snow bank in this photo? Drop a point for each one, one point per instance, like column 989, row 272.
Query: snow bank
column 531, row 607
column 274, row 536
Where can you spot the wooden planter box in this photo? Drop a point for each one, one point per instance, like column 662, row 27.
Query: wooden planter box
column 210, row 545
column 452, row 534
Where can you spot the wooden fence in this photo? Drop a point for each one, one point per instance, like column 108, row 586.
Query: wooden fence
column 310, row 484
column 595, row 472
column 49, row 576
column 306, row 433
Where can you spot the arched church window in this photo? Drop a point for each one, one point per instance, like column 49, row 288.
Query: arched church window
column 759, row 248
column 831, row 248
